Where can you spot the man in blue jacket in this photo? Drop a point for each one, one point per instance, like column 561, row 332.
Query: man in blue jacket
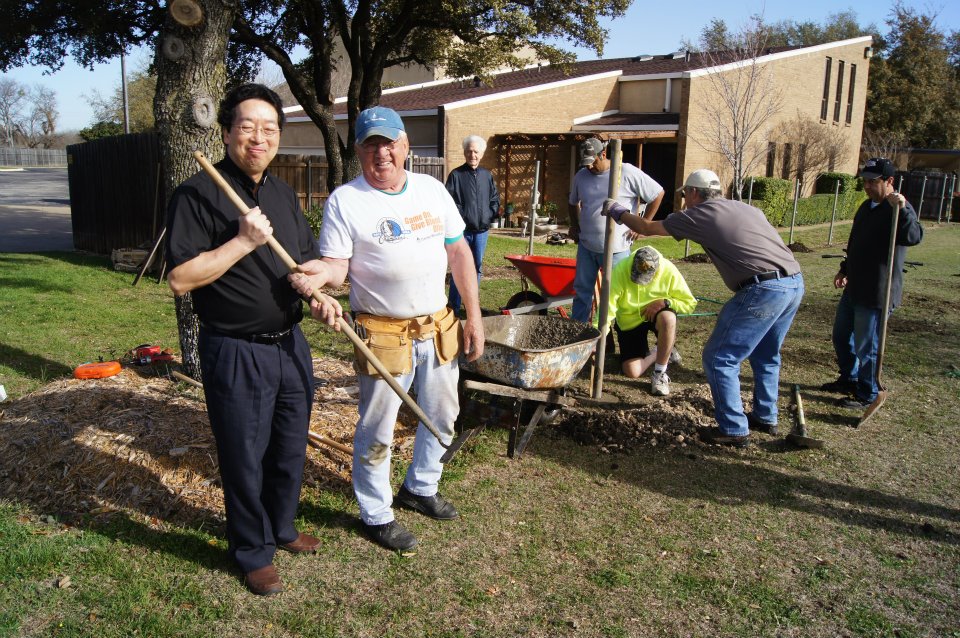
column 863, row 277
column 475, row 194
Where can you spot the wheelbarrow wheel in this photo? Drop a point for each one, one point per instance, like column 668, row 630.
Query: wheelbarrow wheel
column 525, row 298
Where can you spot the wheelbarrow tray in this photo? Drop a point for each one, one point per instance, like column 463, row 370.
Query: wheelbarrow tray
column 553, row 275
column 533, row 352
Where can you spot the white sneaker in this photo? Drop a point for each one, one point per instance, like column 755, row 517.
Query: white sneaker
column 659, row 384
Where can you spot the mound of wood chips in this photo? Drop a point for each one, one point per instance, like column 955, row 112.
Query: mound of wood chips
column 140, row 442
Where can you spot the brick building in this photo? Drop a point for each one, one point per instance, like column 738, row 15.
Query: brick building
column 657, row 105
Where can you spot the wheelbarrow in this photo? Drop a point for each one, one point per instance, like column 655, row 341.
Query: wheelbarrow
column 533, row 359
column 552, row 275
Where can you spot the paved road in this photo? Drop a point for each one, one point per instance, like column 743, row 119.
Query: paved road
column 35, row 211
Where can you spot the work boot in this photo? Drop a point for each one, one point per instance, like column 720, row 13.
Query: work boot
column 392, row 536
column 756, row 425
column 302, row 544
column 715, row 436
column 433, row 506
column 854, row 403
column 659, row 384
column 840, row 386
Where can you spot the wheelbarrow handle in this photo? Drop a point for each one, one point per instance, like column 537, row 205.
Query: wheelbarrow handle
column 319, row 296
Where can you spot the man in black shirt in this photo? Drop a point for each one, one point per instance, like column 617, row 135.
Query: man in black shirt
column 475, row 194
column 256, row 364
column 863, row 277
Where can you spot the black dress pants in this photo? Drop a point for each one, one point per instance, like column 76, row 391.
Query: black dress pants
column 258, row 400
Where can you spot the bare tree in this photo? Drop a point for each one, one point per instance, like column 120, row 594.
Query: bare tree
column 818, row 145
column 13, row 98
column 885, row 143
column 742, row 99
column 39, row 128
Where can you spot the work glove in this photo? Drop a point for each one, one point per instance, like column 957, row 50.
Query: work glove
column 614, row 209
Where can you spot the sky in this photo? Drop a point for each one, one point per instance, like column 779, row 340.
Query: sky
column 645, row 29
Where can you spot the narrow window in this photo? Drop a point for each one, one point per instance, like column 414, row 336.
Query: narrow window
column 787, row 156
column 853, row 79
column 826, row 90
column 838, row 101
column 771, row 158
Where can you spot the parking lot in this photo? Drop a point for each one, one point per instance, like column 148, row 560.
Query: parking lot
column 35, row 211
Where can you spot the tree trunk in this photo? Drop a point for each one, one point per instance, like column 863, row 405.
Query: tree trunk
column 191, row 55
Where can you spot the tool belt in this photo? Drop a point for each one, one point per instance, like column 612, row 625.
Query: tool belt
column 391, row 340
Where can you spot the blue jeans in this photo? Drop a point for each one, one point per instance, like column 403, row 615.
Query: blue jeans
column 752, row 325
column 436, row 392
column 477, row 240
column 585, row 280
column 856, row 340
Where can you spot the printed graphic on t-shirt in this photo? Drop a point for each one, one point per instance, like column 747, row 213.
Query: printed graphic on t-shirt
column 425, row 220
column 389, row 230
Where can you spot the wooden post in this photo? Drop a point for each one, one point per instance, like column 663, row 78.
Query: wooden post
column 750, row 193
column 603, row 305
column 534, row 198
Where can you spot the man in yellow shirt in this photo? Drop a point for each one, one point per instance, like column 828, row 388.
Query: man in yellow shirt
column 646, row 293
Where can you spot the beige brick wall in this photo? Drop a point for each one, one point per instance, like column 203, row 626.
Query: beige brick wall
column 548, row 111
column 800, row 79
column 643, row 96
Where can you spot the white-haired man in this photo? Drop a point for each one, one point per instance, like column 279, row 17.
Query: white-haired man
column 761, row 271
column 394, row 233
column 475, row 194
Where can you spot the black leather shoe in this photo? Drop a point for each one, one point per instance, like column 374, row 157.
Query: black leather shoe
column 433, row 506
column 756, row 425
column 715, row 436
column 840, row 386
column 853, row 403
column 392, row 536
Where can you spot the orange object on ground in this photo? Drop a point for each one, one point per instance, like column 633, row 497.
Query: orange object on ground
column 97, row 370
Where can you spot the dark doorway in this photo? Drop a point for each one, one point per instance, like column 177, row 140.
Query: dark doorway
column 660, row 163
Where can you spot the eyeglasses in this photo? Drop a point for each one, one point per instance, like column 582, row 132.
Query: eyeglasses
column 248, row 129
column 371, row 146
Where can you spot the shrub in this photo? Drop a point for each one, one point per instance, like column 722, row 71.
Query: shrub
column 773, row 196
column 314, row 216
column 827, row 183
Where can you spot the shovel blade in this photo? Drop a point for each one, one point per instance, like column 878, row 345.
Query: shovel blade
column 873, row 407
column 804, row 441
column 458, row 443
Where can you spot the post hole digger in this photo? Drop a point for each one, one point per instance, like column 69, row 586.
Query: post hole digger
column 378, row 452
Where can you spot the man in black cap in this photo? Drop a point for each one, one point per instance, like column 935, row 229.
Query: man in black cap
column 863, row 277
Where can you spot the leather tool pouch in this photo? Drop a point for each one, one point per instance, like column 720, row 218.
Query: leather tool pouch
column 388, row 340
column 448, row 338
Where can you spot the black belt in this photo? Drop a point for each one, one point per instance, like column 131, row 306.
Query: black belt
column 764, row 276
column 267, row 338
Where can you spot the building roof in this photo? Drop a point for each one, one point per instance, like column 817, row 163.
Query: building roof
column 427, row 98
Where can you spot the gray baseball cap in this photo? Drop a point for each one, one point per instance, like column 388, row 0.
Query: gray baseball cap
column 646, row 261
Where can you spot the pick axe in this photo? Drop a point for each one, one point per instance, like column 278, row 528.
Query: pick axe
column 378, row 451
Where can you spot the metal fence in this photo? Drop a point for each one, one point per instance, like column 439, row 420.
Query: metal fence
column 33, row 157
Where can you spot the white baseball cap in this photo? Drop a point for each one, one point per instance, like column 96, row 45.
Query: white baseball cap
column 702, row 178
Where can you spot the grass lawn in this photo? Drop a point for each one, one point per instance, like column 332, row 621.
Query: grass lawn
column 861, row 538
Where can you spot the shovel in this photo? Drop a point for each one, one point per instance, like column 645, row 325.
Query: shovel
column 378, row 451
column 882, row 394
column 798, row 435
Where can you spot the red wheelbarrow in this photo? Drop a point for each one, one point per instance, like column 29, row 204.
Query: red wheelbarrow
column 552, row 275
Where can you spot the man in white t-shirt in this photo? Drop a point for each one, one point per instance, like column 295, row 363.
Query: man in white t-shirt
column 587, row 226
column 394, row 233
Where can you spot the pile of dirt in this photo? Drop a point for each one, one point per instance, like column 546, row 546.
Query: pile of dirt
column 696, row 258
column 799, row 247
column 142, row 444
column 669, row 421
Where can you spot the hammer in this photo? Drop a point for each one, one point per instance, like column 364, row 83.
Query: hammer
column 798, row 436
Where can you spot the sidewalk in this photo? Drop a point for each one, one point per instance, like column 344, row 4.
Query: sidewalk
column 35, row 228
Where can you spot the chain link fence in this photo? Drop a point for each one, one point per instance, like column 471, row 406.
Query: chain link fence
column 52, row 157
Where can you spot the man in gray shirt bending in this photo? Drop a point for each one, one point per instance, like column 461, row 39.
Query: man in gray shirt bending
column 756, row 265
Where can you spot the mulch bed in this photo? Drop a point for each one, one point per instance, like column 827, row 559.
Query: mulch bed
column 142, row 444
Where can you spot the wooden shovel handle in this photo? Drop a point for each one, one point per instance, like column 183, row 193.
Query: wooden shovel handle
column 319, row 296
